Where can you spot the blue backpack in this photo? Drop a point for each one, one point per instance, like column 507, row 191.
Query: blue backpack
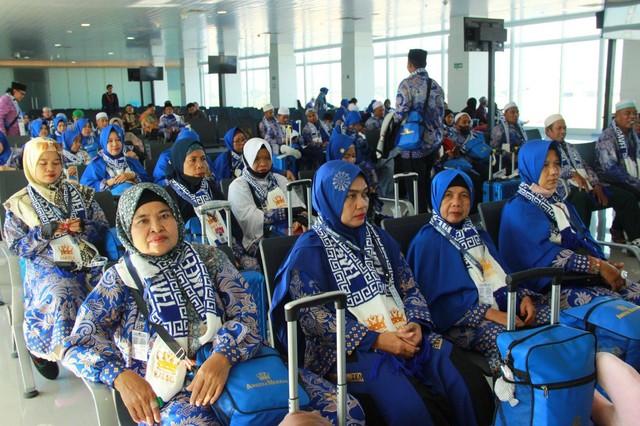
column 477, row 149
column 614, row 322
column 113, row 248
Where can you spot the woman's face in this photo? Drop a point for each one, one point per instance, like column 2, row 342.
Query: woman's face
column 350, row 155
column 195, row 164
column 511, row 115
column 550, row 171
column 448, row 119
column 44, row 131
column 77, row 144
column 86, row 130
column 62, row 126
column 154, row 230
column 456, row 204
column 239, row 139
column 262, row 163
column 114, row 145
column 48, row 168
column 354, row 210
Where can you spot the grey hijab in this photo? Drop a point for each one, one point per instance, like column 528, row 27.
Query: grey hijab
column 127, row 207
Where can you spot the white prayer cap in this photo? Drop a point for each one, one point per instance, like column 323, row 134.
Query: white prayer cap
column 509, row 105
column 460, row 115
column 283, row 111
column 353, row 107
column 101, row 115
column 626, row 103
column 267, row 107
column 552, row 119
column 376, row 105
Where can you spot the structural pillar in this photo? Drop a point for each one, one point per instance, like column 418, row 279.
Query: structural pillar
column 282, row 73
column 357, row 66
column 193, row 38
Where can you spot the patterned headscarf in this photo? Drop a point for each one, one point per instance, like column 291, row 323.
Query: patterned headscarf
column 33, row 150
column 339, row 145
column 127, row 206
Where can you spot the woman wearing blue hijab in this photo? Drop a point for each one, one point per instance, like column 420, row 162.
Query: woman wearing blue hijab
column 72, row 154
column 229, row 164
column 111, row 170
column 8, row 159
column 391, row 345
column 461, row 274
column 39, row 129
column 58, row 128
column 539, row 229
column 89, row 144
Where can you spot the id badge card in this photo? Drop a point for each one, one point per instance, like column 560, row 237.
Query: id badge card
column 485, row 293
column 216, row 229
column 65, row 249
column 140, row 340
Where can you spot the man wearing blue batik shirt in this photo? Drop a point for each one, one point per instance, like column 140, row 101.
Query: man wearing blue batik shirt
column 411, row 96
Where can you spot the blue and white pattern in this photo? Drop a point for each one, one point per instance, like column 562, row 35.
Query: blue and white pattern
column 341, row 181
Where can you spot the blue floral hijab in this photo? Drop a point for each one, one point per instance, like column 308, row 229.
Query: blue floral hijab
column 339, row 145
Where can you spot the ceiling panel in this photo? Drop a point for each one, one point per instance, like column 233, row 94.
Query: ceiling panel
column 52, row 32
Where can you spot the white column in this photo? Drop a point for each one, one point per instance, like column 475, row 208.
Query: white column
column 629, row 87
column 193, row 53
column 158, row 54
column 231, row 87
column 282, row 73
column 357, row 66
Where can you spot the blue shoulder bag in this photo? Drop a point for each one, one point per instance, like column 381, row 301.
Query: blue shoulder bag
column 257, row 390
column 477, row 149
column 412, row 130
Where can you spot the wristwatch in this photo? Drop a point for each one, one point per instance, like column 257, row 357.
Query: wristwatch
column 623, row 274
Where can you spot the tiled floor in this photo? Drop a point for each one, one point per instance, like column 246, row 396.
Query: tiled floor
column 66, row 401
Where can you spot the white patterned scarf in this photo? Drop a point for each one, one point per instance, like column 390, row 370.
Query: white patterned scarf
column 632, row 165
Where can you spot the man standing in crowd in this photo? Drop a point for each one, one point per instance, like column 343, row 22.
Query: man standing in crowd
column 110, row 103
column 412, row 93
column 618, row 152
column 11, row 123
column 585, row 191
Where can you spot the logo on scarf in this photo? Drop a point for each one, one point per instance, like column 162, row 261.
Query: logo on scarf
column 341, row 181
column 376, row 322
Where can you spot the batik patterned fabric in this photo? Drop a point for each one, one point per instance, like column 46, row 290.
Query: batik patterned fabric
column 52, row 296
column 270, row 130
column 411, row 96
column 610, row 158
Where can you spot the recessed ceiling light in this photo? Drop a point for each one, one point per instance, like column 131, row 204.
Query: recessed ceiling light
column 85, row 25
column 110, row 53
column 57, row 45
column 69, row 32
column 222, row 12
column 73, row 62
column 27, row 57
column 131, row 38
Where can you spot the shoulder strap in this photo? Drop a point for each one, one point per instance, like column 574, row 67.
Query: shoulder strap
column 426, row 100
column 142, row 307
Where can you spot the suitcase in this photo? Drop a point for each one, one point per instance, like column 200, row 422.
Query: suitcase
column 397, row 207
column 195, row 225
column 500, row 188
column 548, row 373
column 291, row 186
column 291, row 310
column 614, row 322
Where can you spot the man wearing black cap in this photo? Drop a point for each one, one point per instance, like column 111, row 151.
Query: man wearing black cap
column 412, row 93
column 170, row 123
column 11, row 123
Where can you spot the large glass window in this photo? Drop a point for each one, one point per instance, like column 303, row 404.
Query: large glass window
column 319, row 68
column 254, row 75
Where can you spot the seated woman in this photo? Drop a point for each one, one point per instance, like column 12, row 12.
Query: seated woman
column 258, row 199
column 208, row 311
column 9, row 159
column 230, row 164
column 164, row 159
column 539, row 229
column 190, row 187
column 111, row 170
column 461, row 274
column 343, row 147
column 39, row 129
column 89, row 144
column 392, row 351
column 58, row 128
column 52, row 225
column 73, row 155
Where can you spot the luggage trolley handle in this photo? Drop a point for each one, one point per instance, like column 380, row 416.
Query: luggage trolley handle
column 291, row 311
column 290, row 186
column 214, row 205
column 512, row 281
column 396, row 190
